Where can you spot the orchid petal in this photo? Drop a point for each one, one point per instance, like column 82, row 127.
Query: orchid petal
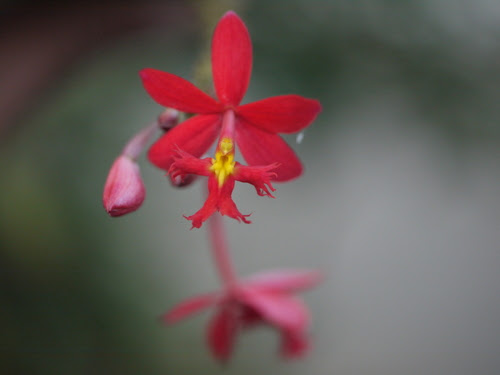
column 221, row 334
column 284, row 280
column 189, row 307
column 193, row 136
column 281, row 114
column 282, row 310
column 231, row 59
column 259, row 147
column 170, row 90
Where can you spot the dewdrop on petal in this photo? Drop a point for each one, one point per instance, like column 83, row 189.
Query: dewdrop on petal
column 300, row 138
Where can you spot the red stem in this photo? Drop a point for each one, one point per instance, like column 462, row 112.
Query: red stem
column 220, row 250
column 135, row 146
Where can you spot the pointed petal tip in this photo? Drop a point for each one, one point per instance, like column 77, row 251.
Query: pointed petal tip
column 146, row 73
column 231, row 14
column 231, row 59
column 289, row 172
column 319, row 107
column 286, row 280
column 168, row 318
column 221, row 335
column 189, row 307
column 163, row 319
column 294, row 345
column 317, row 103
column 196, row 223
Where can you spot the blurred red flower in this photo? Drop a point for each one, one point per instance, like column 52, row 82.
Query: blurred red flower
column 265, row 298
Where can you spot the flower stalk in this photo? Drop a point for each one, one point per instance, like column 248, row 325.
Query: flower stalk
column 220, row 251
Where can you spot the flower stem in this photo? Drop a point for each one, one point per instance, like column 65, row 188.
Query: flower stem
column 220, row 250
column 135, row 146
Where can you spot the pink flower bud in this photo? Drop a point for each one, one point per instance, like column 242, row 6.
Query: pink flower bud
column 124, row 190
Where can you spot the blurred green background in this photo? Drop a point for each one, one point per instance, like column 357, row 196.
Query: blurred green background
column 399, row 204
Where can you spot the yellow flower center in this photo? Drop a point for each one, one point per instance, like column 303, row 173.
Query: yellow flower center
column 223, row 164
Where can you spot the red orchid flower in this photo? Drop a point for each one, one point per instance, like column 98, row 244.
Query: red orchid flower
column 222, row 173
column 255, row 125
column 265, row 298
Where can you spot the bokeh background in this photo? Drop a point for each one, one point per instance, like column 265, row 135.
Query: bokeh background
column 399, row 205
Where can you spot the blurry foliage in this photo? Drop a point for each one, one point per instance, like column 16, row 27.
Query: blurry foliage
column 343, row 49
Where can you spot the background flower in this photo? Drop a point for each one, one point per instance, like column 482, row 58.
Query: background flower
column 266, row 298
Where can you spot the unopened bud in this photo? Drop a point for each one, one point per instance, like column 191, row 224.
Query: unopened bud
column 168, row 119
column 124, row 190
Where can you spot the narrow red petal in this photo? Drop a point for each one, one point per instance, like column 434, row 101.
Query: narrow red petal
column 281, row 114
column 189, row 307
column 231, row 59
column 194, row 136
column 294, row 344
column 281, row 310
column 259, row 148
column 221, row 334
column 208, row 208
column 284, row 280
column 226, row 204
column 170, row 90
column 185, row 164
